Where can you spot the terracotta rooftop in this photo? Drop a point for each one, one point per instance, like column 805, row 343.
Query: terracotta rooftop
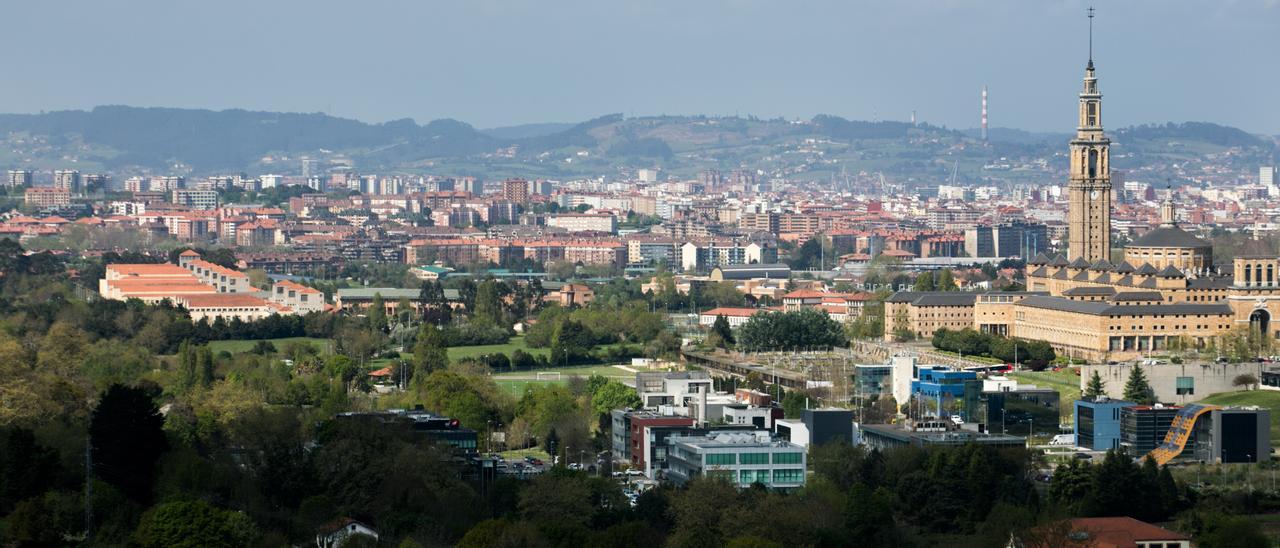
column 222, row 300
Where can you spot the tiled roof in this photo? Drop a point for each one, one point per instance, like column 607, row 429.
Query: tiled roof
column 729, row 312
column 222, row 300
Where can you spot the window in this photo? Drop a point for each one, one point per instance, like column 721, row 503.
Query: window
column 752, row 476
column 753, row 458
column 787, row 458
column 721, row 474
column 1186, row 386
column 721, row 459
column 788, row 476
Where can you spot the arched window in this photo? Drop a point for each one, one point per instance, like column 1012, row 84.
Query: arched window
column 1093, row 163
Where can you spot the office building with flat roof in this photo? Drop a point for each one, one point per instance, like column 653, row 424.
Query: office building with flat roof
column 742, row 458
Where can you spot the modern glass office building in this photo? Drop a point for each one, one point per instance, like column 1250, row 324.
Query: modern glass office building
column 742, row 458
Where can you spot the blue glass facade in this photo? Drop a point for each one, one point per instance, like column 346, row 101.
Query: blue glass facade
column 1098, row 423
column 941, row 386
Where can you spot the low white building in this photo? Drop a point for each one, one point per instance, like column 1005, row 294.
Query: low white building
column 297, row 297
column 736, row 316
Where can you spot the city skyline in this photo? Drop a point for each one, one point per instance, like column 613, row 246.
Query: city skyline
column 493, row 65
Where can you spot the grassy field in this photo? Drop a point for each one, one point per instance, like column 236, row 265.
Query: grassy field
column 516, row 343
column 241, row 345
column 1269, row 399
column 1066, row 382
column 516, row 381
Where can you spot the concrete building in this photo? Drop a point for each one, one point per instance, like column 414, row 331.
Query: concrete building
column 742, row 458
column 584, row 222
column 297, row 297
column 1174, row 383
column 515, row 190
column 736, row 316
column 227, row 306
column 196, row 199
column 21, row 178
column 705, row 255
column 44, row 197
column 679, row 390
column 1012, row 239
column 67, row 179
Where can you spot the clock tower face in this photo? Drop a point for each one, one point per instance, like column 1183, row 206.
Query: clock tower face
column 1093, row 195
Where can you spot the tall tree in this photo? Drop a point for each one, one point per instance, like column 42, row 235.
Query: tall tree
column 1097, row 387
column 436, row 309
column 378, row 313
column 127, row 437
column 924, row 282
column 946, row 280
column 429, row 352
column 1137, row 389
column 488, row 309
column 721, row 328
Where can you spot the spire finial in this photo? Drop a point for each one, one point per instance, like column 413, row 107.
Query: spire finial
column 1091, row 35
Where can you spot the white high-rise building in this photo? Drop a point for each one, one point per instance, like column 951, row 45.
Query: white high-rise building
column 1267, row 180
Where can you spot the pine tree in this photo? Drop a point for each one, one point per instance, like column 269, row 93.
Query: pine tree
column 1137, row 389
column 1097, row 387
column 721, row 328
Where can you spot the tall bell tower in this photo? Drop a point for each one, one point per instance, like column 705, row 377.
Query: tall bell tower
column 1089, row 188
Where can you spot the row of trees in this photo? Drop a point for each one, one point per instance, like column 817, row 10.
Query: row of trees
column 968, row 342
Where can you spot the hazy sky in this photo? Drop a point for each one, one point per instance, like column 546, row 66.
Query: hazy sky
column 492, row 62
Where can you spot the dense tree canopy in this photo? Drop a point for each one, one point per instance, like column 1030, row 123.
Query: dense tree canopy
column 804, row 329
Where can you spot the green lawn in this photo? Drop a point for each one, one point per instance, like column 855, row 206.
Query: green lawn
column 565, row 372
column 516, row 381
column 240, row 345
column 1066, row 382
column 516, row 343
column 1269, row 399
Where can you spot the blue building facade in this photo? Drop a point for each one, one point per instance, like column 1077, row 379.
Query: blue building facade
column 1098, row 423
column 941, row 387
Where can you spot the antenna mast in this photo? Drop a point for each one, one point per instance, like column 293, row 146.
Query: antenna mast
column 1091, row 10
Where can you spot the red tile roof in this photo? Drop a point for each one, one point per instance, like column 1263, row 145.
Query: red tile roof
column 1122, row 532
column 729, row 312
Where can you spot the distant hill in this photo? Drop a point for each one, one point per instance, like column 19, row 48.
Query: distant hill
column 1018, row 136
column 1205, row 132
column 524, row 131
column 207, row 141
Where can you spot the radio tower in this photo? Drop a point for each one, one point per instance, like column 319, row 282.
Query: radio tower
column 984, row 113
